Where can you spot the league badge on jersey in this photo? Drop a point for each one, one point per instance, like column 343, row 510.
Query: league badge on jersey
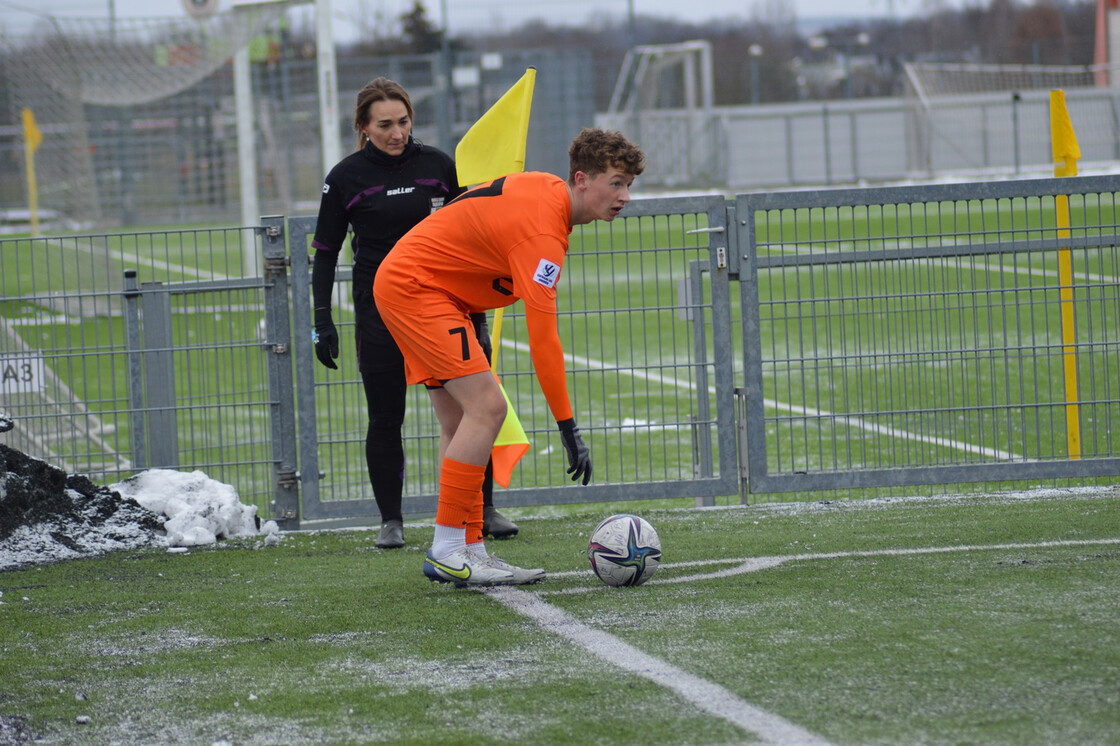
column 547, row 274
column 436, row 203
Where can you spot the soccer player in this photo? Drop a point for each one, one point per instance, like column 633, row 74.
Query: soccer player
column 387, row 185
column 497, row 243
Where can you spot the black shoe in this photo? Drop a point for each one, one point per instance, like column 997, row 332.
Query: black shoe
column 391, row 536
column 497, row 525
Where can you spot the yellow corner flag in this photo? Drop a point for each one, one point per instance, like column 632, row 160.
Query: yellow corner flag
column 1063, row 140
column 31, row 134
column 32, row 139
column 512, row 443
column 495, row 145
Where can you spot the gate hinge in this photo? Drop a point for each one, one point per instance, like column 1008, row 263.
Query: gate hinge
column 287, row 478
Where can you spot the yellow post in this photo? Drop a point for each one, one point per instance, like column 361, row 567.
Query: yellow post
column 1066, row 154
column 495, row 338
column 32, row 138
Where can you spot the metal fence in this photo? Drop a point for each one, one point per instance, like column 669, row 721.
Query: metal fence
column 133, row 351
column 879, row 338
column 935, row 334
column 858, row 141
column 174, row 161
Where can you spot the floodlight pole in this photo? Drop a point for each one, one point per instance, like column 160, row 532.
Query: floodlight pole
column 246, row 155
column 328, row 85
column 443, row 116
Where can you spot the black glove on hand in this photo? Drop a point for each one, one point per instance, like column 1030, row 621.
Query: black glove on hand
column 482, row 331
column 579, row 455
column 326, row 338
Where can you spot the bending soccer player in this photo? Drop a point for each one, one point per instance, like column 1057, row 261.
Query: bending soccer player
column 495, row 244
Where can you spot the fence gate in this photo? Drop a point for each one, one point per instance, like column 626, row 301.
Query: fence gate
column 930, row 334
column 644, row 317
column 125, row 352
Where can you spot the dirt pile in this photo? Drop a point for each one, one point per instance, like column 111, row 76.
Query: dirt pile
column 48, row 515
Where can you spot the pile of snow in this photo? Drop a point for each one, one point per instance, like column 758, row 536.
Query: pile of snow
column 48, row 516
column 197, row 510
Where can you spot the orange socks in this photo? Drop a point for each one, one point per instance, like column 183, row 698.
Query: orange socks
column 460, row 498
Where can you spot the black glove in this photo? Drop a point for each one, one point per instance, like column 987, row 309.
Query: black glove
column 326, row 338
column 579, row 455
column 482, row 331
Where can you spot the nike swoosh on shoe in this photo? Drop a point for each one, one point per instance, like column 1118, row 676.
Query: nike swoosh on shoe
column 460, row 573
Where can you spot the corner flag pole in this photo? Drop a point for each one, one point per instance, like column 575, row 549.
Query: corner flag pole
column 495, row 146
column 1066, row 153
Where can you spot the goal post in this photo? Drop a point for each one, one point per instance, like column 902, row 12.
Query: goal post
column 88, row 78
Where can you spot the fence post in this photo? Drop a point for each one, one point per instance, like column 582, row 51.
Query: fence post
column 1015, row 99
column 722, row 265
column 827, row 146
column 702, row 439
column 159, row 377
column 278, row 345
column 131, row 295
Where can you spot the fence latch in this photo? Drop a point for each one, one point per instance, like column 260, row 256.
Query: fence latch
column 721, row 251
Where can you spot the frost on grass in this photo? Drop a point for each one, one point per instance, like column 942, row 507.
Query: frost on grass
column 518, row 665
column 132, row 646
column 13, row 730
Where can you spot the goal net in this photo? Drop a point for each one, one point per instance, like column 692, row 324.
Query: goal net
column 996, row 117
column 71, row 72
column 663, row 98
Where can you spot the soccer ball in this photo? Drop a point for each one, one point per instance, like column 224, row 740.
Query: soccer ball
column 624, row 550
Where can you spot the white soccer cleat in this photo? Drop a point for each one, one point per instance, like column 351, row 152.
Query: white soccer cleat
column 522, row 576
column 464, row 569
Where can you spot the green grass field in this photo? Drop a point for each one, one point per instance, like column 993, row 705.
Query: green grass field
column 979, row 620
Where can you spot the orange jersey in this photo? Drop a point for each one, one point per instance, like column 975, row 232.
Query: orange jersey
column 495, row 244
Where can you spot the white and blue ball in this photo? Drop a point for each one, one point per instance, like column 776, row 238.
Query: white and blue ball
column 624, row 550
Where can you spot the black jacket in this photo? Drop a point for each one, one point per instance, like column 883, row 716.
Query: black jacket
column 381, row 197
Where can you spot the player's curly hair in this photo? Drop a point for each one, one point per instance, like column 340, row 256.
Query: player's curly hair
column 378, row 89
column 593, row 151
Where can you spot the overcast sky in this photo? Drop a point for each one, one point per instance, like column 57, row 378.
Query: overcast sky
column 494, row 13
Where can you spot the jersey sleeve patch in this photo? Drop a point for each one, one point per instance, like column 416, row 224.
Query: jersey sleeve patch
column 547, row 274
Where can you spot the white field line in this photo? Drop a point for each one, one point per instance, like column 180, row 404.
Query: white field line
column 755, row 564
column 703, row 694
column 143, row 261
column 343, row 300
column 817, row 249
column 855, row 422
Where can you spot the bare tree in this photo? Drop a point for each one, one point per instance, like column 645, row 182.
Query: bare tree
column 1039, row 36
column 421, row 35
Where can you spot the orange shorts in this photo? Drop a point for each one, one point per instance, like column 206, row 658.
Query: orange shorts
column 435, row 335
